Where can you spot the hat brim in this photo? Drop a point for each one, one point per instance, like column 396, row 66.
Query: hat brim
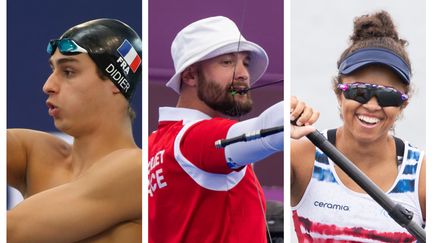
column 257, row 65
column 359, row 65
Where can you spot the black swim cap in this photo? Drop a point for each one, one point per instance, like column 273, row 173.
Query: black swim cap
column 115, row 48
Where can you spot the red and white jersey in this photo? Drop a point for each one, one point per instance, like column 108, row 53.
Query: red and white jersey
column 193, row 195
column 331, row 212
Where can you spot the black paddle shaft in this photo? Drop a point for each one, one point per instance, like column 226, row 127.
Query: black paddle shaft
column 400, row 214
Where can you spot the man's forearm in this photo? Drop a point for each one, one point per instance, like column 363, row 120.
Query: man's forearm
column 243, row 153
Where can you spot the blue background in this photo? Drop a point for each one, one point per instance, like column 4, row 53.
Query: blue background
column 30, row 25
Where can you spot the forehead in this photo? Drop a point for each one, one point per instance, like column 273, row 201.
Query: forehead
column 243, row 55
column 377, row 74
column 80, row 59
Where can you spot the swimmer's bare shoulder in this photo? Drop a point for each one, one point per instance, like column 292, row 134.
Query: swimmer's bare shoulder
column 31, row 155
column 130, row 230
column 103, row 203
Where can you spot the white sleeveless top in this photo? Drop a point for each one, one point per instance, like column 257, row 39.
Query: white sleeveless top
column 329, row 210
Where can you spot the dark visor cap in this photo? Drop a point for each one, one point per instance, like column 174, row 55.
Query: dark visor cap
column 367, row 56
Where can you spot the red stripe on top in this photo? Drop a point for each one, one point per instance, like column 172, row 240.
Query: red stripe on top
column 135, row 63
column 297, row 223
column 333, row 230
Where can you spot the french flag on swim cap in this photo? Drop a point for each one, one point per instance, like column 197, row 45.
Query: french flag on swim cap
column 130, row 55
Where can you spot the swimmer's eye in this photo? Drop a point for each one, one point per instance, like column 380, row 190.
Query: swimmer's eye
column 68, row 72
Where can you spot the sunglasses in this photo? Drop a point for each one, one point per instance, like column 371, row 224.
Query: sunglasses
column 362, row 93
column 65, row 46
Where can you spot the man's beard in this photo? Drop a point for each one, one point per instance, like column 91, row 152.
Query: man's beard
column 220, row 98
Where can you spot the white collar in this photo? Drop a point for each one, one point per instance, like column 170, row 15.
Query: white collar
column 181, row 114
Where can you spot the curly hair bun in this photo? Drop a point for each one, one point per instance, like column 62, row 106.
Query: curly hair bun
column 372, row 26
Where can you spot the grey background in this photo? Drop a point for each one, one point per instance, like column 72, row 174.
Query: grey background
column 319, row 34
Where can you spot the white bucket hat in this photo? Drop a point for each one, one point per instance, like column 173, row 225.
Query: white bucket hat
column 211, row 37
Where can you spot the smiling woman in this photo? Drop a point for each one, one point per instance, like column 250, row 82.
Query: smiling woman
column 372, row 88
column 381, row 95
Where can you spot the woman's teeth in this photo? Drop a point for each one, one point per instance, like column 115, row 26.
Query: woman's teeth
column 368, row 119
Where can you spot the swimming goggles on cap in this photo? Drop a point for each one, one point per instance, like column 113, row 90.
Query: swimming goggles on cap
column 362, row 93
column 65, row 46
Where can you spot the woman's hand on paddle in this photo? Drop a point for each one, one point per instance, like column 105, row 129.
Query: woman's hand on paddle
column 303, row 116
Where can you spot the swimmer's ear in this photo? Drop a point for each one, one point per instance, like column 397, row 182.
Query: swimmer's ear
column 114, row 89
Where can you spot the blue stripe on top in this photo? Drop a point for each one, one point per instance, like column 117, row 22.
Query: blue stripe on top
column 413, row 155
column 410, row 169
column 321, row 157
column 323, row 174
column 124, row 48
column 404, row 186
